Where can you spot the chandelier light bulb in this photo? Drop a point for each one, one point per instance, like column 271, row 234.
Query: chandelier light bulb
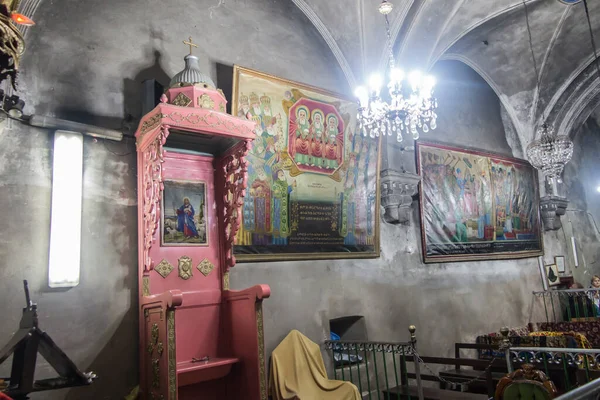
column 396, row 75
column 375, row 83
column 428, row 84
column 363, row 95
column 416, row 79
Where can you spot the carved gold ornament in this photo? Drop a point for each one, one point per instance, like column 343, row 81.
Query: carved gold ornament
column 226, row 281
column 154, row 334
column 171, row 354
column 205, row 101
column 181, row 100
column 164, row 268
column 205, row 267
column 146, row 286
column 185, row 268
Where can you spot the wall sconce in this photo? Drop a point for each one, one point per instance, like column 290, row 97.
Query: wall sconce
column 65, row 221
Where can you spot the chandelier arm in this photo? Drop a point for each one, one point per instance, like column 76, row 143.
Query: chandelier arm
column 587, row 14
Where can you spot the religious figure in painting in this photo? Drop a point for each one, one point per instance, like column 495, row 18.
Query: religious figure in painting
column 262, row 208
column 317, row 130
column 185, row 219
column 244, row 108
column 333, row 146
column 302, row 141
column 281, row 206
column 255, row 109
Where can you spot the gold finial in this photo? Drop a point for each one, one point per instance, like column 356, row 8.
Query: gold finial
column 412, row 329
column 190, row 43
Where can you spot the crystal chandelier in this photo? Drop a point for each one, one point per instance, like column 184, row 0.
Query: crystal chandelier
column 411, row 106
column 550, row 152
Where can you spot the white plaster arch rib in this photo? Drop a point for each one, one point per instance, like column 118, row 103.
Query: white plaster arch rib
column 576, row 102
column 536, row 97
column 503, row 99
column 324, row 32
column 438, row 54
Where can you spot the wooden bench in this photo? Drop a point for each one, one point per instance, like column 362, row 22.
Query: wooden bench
column 407, row 390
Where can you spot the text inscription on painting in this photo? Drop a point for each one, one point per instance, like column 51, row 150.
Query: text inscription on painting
column 476, row 205
column 312, row 182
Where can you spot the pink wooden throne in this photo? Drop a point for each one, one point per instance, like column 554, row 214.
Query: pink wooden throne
column 198, row 339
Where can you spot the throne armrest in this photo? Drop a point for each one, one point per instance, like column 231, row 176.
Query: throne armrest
column 243, row 338
column 257, row 292
column 168, row 299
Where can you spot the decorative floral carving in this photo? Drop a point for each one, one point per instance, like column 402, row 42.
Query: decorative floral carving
column 151, row 123
column 145, row 286
column 154, row 334
column 205, row 267
column 226, row 281
column 261, row 351
column 181, row 100
column 212, row 120
column 164, row 268
column 171, row 355
column 152, row 186
column 185, row 268
column 205, row 101
column 234, row 169
column 160, row 348
column 155, row 373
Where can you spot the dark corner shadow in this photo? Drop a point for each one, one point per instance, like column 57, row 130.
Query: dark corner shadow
column 132, row 88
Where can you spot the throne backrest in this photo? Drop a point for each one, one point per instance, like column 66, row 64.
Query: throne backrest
column 526, row 383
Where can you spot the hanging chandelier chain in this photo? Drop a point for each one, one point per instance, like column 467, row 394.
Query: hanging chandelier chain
column 537, row 74
column 390, row 44
column 587, row 14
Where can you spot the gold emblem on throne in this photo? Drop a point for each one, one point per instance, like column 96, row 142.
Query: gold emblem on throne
column 205, row 267
column 205, row 101
column 185, row 267
column 181, row 100
column 164, row 268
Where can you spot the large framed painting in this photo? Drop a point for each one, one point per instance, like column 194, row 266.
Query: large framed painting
column 476, row 205
column 313, row 181
column 183, row 214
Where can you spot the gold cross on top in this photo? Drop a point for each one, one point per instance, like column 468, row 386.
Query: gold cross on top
column 190, row 43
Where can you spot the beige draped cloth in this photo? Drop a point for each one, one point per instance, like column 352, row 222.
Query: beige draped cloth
column 298, row 373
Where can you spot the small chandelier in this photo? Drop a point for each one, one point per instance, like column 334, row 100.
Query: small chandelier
column 550, row 152
column 411, row 106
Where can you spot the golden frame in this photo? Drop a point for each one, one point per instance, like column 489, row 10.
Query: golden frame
column 237, row 70
column 476, row 257
column 162, row 214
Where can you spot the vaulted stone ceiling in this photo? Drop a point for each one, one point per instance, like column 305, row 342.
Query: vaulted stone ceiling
column 490, row 36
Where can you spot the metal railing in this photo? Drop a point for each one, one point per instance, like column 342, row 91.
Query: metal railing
column 570, row 304
column 368, row 365
column 589, row 391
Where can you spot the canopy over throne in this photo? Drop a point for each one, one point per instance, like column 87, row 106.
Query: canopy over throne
column 198, row 339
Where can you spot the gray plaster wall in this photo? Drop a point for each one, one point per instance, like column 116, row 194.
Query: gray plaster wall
column 85, row 61
column 447, row 302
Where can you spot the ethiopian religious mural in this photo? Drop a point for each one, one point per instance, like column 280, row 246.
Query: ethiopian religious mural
column 312, row 180
column 184, row 214
column 477, row 206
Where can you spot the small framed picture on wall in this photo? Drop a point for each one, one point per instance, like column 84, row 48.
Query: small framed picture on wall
column 560, row 264
column 552, row 275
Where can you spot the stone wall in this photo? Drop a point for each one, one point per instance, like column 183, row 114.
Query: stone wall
column 85, row 62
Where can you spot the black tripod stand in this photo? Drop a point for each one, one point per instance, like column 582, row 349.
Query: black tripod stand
column 24, row 346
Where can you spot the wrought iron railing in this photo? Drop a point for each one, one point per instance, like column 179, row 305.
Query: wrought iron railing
column 570, row 304
column 369, row 365
column 589, row 391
